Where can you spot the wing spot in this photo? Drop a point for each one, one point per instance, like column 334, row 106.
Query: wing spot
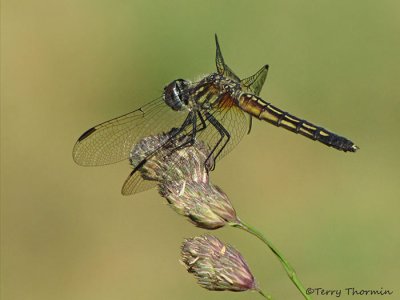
column 86, row 134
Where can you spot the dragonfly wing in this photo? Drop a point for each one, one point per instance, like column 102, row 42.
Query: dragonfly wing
column 135, row 184
column 223, row 68
column 233, row 119
column 112, row 141
column 255, row 83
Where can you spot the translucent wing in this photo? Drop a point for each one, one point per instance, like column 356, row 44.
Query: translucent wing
column 135, row 184
column 223, row 68
column 112, row 141
column 254, row 83
column 233, row 119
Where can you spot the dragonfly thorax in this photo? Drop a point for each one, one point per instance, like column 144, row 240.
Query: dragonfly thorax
column 176, row 94
column 225, row 84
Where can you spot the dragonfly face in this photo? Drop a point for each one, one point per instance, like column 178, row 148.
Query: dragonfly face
column 217, row 110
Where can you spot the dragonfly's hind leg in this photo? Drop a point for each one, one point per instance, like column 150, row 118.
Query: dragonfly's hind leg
column 223, row 133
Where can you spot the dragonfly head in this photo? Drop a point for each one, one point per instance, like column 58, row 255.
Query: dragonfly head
column 176, row 94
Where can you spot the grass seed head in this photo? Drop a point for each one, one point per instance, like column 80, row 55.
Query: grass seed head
column 216, row 266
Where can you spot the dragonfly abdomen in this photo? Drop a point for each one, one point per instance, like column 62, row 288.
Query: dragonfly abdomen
column 265, row 111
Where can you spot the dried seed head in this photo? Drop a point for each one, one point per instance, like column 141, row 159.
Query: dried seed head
column 144, row 149
column 205, row 205
column 216, row 266
column 183, row 180
column 165, row 162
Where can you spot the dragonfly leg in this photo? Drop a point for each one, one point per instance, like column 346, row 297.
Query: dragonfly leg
column 194, row 132
column 203, row 122
column 192, row 137
column 223, row 132
column 228, row 137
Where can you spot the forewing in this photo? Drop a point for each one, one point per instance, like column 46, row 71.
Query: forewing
column 223, row 68
column 112, row 141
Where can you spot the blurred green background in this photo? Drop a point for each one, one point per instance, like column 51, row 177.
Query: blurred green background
column 66, row 231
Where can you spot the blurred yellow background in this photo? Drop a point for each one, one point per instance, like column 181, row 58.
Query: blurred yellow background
column 66, row 231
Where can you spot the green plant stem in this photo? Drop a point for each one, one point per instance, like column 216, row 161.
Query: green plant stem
column 288, row 268
column 265, row 296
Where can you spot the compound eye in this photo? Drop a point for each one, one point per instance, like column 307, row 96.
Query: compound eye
column 181, row 88
column 181, row 83
column 178, row 86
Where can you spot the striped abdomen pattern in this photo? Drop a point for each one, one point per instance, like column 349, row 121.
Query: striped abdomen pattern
column 262, row 110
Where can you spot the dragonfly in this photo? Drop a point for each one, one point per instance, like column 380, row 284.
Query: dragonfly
column 218, row 110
